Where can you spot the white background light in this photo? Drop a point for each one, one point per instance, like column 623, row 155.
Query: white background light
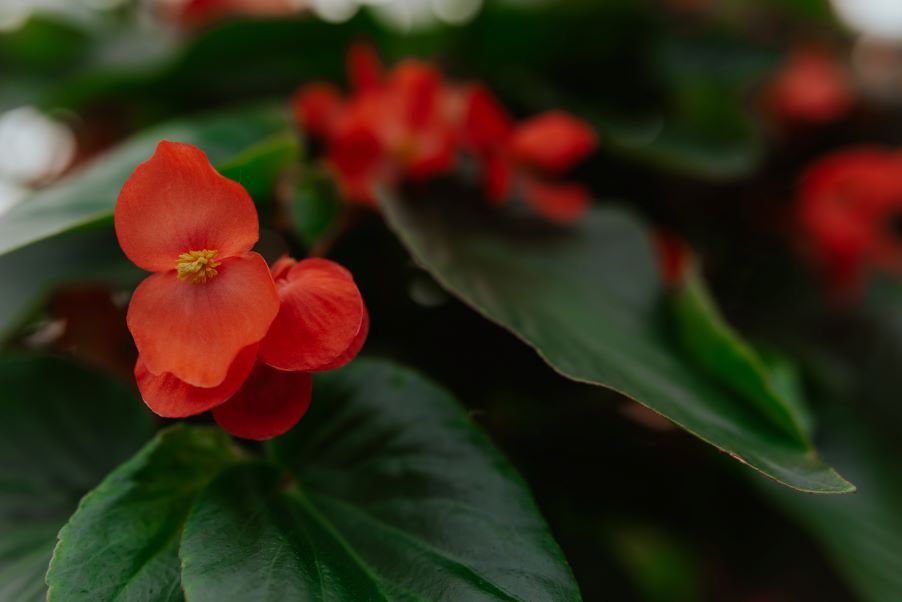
column 878, row 18
column 33, row 147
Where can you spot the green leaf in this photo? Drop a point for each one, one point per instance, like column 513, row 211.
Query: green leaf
column 589, row 300
column 315, row 206
column 717, row 348
column 62, row 427
column 259, row 166
column 392, row 494
column 122, row 542
column 861, row 533
column 89, row 195
column 29, row 274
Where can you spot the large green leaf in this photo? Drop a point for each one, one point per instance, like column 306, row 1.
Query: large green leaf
column 589, row 300
column 62, row 428
column 89, row 195
column 122, row 543
column 392, row 494
column 386, row 491
column 717, row 348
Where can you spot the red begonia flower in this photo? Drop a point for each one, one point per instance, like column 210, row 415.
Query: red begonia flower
column 269, row 404
column 415, row 129
column 394, row 126
column 321, row 321
column 849, row 206
column 318, row 107
column 170, row 397
column 486, row 124
column 520, row 158
column 209, row 297
column 364, row 68
column 811, row 88
column 554, row 142
column 356, row 155
column 562, row 203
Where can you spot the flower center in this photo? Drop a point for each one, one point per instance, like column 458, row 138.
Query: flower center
column 197, row 267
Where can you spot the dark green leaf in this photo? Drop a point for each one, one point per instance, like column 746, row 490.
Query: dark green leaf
column 392, row 495
column 89, row 196
column 122, row 542
column 717, row 348
column 588, row 299
column 315, row 205
column 62, row 428
column 861, row 533
column 89, row 255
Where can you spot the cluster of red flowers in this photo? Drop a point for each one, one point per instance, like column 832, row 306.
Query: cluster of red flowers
column 410, row 124
column 850, row 206
column 215, row 327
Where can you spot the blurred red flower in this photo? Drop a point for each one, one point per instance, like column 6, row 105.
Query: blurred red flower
column 393, row 127
column 408, row 124
column 522, row 159
column 213, row 326
column 195, row 13
column 810, row 88
column 850, row 205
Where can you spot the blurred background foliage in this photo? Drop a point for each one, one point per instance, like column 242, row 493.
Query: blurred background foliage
column 677, row 92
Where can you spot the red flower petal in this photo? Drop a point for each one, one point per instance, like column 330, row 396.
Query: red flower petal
column 176, row 202
column 416, row 89
column 170, row 397
column 811, row 88
column 321, row 315
column 317, row 107
column 433, row 154
column 498, row 177
column 355, row 347
column 194, row 331
column 356, row 157
column 364, row 68
column 281, row 267
column 268, row 405
column 553, row 141
column 562, row 203
column 487, row 124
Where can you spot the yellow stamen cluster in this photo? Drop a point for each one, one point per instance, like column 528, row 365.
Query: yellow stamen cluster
column 197, row 267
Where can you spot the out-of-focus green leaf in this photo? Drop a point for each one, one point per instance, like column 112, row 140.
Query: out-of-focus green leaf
column 89, row 195
column 392, row 494
column 44, row 43
column 62, row 428
column 588, row 299
column 661, row 568
column 258, row 167
column 87, row 256
column 861, row 533
column 122, row 542
column 315, row 205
